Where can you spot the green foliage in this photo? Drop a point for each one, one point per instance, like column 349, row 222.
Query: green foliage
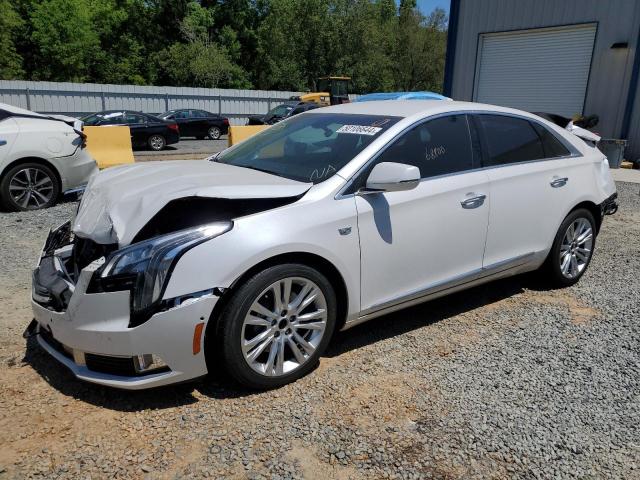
column 10, row 24
column 269, row 44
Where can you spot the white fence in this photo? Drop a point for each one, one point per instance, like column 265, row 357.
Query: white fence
column 78, row 99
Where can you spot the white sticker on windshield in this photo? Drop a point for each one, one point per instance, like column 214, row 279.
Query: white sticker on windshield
column 358, row 129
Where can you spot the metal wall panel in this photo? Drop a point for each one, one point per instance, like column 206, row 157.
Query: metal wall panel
column 542, row 70
column 610, row 74
column 78, row 99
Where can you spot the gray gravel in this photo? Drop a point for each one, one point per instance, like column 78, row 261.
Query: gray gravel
column 507, row 380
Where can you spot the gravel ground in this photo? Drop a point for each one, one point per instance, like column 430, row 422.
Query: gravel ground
column 507, row 380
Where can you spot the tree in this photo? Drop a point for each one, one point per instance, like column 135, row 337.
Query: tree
column 10, row 25
column 201, row 61
column 64, row 39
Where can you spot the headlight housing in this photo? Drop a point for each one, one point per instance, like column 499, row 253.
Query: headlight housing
column 145, row 267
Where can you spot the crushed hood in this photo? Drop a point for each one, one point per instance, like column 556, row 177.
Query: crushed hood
column 119, row 201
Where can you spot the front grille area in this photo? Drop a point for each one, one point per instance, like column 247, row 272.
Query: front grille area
column 122, row 366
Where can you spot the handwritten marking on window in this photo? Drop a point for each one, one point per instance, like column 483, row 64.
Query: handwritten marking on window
column 322, row 173
column 434, row 153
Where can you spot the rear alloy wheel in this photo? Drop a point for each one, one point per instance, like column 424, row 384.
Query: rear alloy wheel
column 156, row 142
column 214, row 133
column 29, row 186
column 572, row 248
column 277, row 325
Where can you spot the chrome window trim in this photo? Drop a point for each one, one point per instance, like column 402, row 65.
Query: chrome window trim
column 573, row 151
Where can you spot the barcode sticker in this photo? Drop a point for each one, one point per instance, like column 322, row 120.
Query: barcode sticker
column 358, row 129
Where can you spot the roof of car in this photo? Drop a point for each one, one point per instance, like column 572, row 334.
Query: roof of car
column 408, row 108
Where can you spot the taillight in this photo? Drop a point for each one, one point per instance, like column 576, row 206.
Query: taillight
column 83, row 136
column 225, row 121
column 174, row 126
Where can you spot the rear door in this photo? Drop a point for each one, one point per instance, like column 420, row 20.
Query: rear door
column 138, row 126
column 530, row 186
column 423, row 239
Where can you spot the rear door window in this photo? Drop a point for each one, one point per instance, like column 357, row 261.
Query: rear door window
column 134, row 118
column 509, row 140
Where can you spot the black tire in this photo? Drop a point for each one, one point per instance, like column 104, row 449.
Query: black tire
column 156, row 142
column 214, row 133
column 225, row 346
column 52, row 193
column 552, row 266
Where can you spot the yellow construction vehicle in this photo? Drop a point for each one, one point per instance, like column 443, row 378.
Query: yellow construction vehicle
column 332, row 91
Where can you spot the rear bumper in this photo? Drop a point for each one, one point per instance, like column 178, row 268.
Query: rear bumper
column 610, row 205
column 172, row 137
column 77, row 169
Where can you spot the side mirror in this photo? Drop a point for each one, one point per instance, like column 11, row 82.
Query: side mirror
column 392, row 177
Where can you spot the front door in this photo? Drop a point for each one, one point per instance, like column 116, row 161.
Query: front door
column 418, row 240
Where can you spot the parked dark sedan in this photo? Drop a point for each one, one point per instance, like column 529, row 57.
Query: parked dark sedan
column 146, row 130
column 281, row 112
column 198, row 123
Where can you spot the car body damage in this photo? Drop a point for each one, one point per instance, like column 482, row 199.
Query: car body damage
column 134, row 201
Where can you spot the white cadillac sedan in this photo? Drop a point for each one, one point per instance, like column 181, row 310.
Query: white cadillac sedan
column 250, row 261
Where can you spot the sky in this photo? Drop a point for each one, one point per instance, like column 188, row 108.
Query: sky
column 427, row 6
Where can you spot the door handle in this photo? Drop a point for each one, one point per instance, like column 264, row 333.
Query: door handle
column 473, row 200
column 559, row 182
column 3, row 142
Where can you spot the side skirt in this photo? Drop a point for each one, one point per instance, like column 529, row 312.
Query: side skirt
column 523, row 263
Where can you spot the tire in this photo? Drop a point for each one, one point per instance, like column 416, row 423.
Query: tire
column 156, row 142
column 277, row 335
column 29, row 186
column 214, row 133
column 576, row 249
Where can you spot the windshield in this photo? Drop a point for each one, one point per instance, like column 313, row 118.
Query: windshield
column 309, row 147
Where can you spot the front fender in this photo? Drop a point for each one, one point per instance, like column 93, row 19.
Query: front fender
column 305, row 227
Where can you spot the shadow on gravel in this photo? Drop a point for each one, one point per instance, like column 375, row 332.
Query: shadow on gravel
column 217, row 386
column 403, row 321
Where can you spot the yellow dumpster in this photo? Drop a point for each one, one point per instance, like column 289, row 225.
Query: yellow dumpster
column 109, row 146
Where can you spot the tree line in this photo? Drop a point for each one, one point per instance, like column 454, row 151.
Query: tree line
column 263, row 44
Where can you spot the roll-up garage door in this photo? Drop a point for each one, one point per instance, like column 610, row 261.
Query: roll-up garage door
column 541, row 70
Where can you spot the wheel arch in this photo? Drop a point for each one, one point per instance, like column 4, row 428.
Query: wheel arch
column 593, row 209
column 38, row 160
column 324, row 266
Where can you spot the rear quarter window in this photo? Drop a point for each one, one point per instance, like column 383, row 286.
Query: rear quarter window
column 551, row 145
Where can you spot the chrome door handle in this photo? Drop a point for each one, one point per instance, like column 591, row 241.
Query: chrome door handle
column 473, row 201
column 559, row 182
column 3, row 142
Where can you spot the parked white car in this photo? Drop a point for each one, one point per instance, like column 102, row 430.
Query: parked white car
column 41, row 158
column 250, row 261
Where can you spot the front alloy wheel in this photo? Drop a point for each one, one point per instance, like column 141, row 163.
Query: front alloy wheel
column 284, row 326
column 274, row 327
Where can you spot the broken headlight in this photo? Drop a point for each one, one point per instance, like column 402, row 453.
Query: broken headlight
column 144, row 267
